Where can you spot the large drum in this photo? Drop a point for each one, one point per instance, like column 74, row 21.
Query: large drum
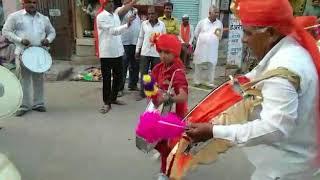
column 10, row 93
column 7, row 170
column 37, row 59
column 10, row 101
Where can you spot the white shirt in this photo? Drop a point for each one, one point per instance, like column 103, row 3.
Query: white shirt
column 283, row 136
column 191, row 34
column 130, row 37
column 149, row 49
column 207, row 41
column 109, row 33
column 21, row 25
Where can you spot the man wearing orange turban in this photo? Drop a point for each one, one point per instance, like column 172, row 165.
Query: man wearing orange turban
column 282, row 138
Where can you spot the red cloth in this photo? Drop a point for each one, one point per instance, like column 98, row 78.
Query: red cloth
column 171, row 43
column 307, row 21
column 279, row 14
column 95, row 31
column 223, row 97
column 214, row 104
column 163, row 73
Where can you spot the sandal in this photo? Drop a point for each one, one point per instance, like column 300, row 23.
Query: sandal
column 105, row 109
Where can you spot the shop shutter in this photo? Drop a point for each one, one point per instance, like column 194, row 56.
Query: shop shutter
column 190, row 7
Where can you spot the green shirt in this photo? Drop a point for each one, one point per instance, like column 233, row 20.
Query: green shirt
column 172, row 25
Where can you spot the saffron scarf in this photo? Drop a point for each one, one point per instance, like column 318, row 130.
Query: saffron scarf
column 185, row 33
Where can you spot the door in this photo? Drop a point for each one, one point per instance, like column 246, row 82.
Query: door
column 60, row 15
column 190, row 7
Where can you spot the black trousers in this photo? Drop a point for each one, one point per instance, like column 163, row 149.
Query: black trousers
column 147, row 63
column 111, row 67
column 129, row 61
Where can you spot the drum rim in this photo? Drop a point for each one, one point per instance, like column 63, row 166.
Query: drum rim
column 20, row 94
column 33, row 70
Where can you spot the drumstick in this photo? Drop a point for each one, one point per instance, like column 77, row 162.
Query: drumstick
column 173, row 125
column 310, row 27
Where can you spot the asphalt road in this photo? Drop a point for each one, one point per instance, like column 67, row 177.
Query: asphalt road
column 72, row 141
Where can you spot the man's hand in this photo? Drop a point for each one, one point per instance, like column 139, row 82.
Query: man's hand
column 164, row 98
column 25, row 42
column 200, row 132
column 45, row 42
column 137, row 55
column 131, row 19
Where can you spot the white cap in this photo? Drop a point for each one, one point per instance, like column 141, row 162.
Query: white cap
column 185, row 16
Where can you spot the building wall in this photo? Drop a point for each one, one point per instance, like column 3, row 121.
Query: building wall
column 10, row 6
column 204, row 8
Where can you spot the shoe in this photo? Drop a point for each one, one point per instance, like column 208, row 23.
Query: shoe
column 105, row 109
column 162, row 176
column 139, row 98
column 135, row 88
column 21, row 112
column 40, row 109
column 210, row 85
column 120, row 93
column 156, row 156
column 118, row 102
column 197, row 85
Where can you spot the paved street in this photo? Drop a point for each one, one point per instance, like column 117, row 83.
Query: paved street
column 72, row 141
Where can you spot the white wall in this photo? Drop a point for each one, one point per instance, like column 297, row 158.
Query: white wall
column 10, row 6
column 215, row 2
column 204, row 8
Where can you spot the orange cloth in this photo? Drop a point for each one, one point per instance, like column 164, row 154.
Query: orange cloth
column 95, row 33
column 279, row 14
column 185, row 33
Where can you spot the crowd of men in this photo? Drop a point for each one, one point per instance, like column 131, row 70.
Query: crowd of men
column 124, row 45
column 281, row 134
column 134, row 50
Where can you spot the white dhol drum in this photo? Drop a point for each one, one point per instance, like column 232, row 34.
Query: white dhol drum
column 7, row 170
column 10, row 93
column 36, row 59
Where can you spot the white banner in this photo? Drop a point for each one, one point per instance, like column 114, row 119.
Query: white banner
column 235, row 42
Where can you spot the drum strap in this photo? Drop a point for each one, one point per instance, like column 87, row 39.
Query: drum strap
column 292, row 77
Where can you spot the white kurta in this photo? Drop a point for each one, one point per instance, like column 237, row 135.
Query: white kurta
column 109, row 33
column 281, row 141
column 207, row 41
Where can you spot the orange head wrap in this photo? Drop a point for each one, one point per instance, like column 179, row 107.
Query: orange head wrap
column 306, row 21
column 169, row 43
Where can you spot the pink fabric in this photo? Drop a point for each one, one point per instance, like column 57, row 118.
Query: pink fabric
column 153, row 128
